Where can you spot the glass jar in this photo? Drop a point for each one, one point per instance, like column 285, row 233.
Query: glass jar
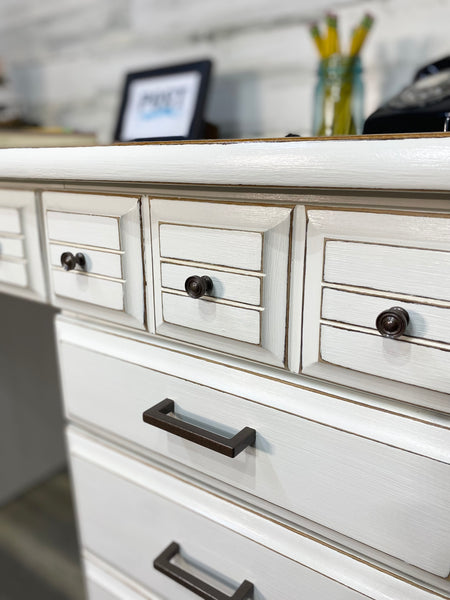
column 339, row 97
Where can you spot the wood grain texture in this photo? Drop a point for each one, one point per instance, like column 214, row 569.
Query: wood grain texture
column 82, row 229
column 409, row 271
column 425, row 322
column 304, row 467
column 232, row 248
column 379, row 164
column 375, row 252
column 99, row 263
column 76, row 286
column 241, row 538
column 227, row 286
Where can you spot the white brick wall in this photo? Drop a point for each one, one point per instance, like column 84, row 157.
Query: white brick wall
column 67, row 58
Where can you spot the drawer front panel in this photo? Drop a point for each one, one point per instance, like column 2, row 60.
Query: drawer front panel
column 360, row 264
column 10, row 220
column 219, row 319
column 412, row 271
column 21, row 263
column 99, row 263
column 86, row 230
column 238, row 249
column 101, row 292
column 244, row 249
column 14, row 273
column 136, row 524
column 11, row 247
column 227, row 286
column 323, row 474
column 106, row 230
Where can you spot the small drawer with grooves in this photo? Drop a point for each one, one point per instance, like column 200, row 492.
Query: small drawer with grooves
column 21, row 265
column 377, row 303
column 95, row 255
column 221, row 276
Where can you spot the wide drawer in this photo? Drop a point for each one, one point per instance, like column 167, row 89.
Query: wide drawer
column 105, row 231
column 129, row 513
column 21, row 270
column 359, row 266
column 389, row 498
column 243, row 252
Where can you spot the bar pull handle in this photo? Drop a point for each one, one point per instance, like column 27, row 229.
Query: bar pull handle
column 194, row 584
column 158, row 416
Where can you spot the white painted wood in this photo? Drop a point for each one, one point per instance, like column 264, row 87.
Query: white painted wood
column 218, row 319
column 302, row 466
column 24, row 243
column 100, row 263
column 373, row 163
column 280, row 561
column 232, row 248
column 14, row 273
column 100, row 221
column 427, row 322
column 10, row 220
column 227, row 286
column 105, row 583
column 393, row 359
column 364, row 232
column 11, row 246
column 83, row 229
column 77, row 286
column 207, row 325
column 409, row 271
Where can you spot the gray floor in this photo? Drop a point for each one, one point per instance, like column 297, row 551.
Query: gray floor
column 38, row 545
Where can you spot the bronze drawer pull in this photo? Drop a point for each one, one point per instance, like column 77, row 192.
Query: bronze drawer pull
column 159, row 417
column 70, row 261
column 197, row 286
column 393, row 322
column 194, row 584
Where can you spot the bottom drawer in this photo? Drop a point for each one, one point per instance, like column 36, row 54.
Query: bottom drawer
column 130, row 512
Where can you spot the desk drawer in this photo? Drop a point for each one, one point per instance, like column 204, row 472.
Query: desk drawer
column 318, row 472
column 129, row 513
column 21, row 271
column 237, row 256
column 107, row 281
column 359, row 266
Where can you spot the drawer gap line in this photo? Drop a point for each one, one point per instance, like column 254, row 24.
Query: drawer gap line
column 212, row 267
column 216, row 300
column 86, row 247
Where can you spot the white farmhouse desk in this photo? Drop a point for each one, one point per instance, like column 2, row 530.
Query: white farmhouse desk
column 254, row 347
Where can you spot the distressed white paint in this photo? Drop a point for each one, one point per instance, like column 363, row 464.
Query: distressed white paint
column 240, row 237
column 280, row 562
column 238, row 249
column 11, row 246
column 14, row 273
column 393, row 359
column 10, row 220
column 367, row 163
column 99, row 221
column 82, row 229
column 77, row 286
column 99, row 263
column 226, row 286
column 377, row 255
column 304, row 467
column 427, row 322
column 409, row 271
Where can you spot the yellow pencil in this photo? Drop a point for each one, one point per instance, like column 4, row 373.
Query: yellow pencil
column 315, row 33
column 332, row 39
column 360, row 35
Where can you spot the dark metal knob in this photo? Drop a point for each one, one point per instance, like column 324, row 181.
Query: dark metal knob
column 69, row 261
column 393, row 322
column 197, row 286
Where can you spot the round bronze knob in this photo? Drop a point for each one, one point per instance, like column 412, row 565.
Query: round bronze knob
column 393, row 322
column 197, row 286
column 69, row 261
